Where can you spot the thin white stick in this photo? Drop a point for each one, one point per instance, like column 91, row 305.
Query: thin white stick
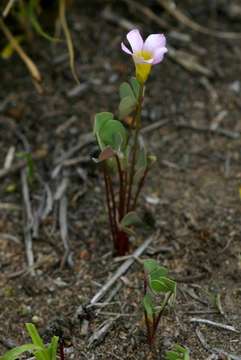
column 215, row 324
column 121, row 270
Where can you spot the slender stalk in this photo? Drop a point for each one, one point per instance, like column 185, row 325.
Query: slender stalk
column 137, row 120
column 157, row 320
column 148, row 327
column 121, row 189
column 107, row 192
column 61, row 350
column 112, row 196
column 140, row 186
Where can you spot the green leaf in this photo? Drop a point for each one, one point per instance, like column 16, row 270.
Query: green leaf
column 16, row 352
column 126, row 90
column 42, row 354
column 113, row 134
column 127, row 106
column 178, row 353
column 162, row 285
column 53, row 348
column 33, row 333
column 158, row 273
column 100, row 120
column 171, row 355
column 136, row 87
column 150, row 265
column 148, row 306
column 130, row 219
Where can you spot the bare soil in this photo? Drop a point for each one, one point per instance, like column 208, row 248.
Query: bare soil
column 191, row 198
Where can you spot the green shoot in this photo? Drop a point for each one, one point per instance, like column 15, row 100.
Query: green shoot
column 158, row 290
column 178, row 353
column 37, row 347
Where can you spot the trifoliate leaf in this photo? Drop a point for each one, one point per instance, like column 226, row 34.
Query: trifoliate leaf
column 150, row 265
column 130, row 219
column 113, row 134
column 178, row 353
column 162, row 285
column 100, row 120
column 126, row 90
column 127, row 106
column 158, row 273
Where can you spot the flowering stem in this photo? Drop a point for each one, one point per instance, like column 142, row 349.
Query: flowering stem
column 140, row 186
column 121, row 189
column 137, row 123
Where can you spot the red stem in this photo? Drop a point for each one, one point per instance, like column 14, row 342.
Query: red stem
column 112, row 195
column 61, row 350
column 140, row 186
column 111, row 222
column 121, row 189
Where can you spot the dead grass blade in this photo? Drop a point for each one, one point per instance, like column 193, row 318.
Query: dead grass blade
column 25, row 58
column 63, row 22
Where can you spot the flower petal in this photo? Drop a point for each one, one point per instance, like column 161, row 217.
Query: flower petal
column 154, row 42
column 135, row 40
column 158, row 55
column 125, row 49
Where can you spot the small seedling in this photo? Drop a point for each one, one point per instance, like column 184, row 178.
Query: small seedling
column 123, row 155
column 37, row 347
column 158, row 290
column 178, row 353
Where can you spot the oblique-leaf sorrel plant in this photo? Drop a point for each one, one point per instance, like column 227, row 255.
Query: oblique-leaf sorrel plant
column 37, row 347
column 124, row 159
column 178, row 353
column 158, row 290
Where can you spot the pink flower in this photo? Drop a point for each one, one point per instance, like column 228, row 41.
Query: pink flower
column 145, row 54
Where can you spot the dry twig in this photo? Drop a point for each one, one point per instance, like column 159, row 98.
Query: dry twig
column 28, row 219
column 215, row 324
column 67, row 258
column 121, row 271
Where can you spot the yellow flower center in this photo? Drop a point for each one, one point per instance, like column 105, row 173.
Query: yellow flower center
column 142, row 70
column 146, row 55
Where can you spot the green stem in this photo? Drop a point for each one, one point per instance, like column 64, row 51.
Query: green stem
column 137, row 123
